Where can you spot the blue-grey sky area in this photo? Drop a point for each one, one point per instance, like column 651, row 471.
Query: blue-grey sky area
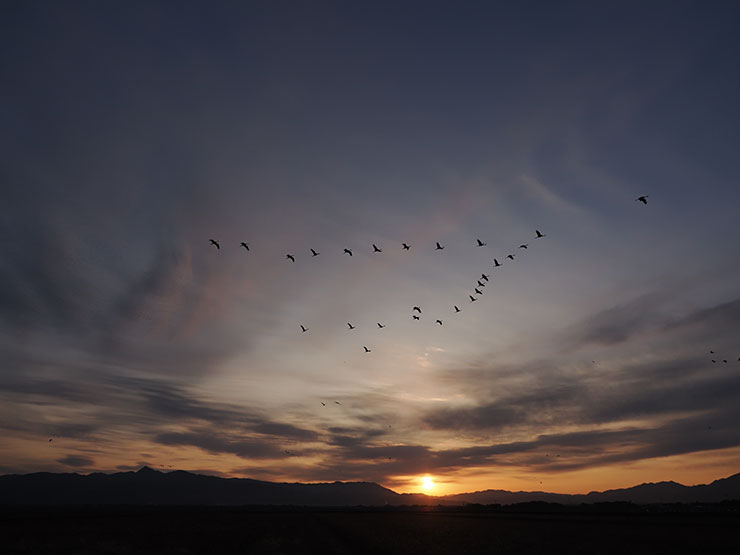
column 133, row 133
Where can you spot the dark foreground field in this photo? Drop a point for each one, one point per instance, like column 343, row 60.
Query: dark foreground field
column 234, row 530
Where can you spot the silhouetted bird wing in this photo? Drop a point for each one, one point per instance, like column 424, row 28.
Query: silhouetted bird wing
column 439, row 322
column 215, row 243
column 496, row 263
column 405, row 246
column 480, row 243
column 472, row 299
column 366, row 349
column 243, row 244
column 510, row 256
column 350, row 326
column 457, row 309
column 539, row 234
column 439, row 247
column 523, row 246
column 642, row 199
column 376, row 249
column 349, row 252
column 290, row 257
column 314, row 253
column 417, row 309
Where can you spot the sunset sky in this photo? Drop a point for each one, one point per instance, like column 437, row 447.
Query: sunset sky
column 132, row 133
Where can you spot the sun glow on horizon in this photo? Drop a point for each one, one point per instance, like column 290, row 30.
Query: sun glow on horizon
column 427, row 483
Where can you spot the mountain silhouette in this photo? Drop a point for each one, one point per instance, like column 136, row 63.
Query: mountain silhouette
column 151, row 487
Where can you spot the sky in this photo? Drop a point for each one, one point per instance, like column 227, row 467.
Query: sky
column 133, row 133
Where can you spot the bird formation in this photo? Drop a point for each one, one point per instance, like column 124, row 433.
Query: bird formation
column 416, row 311
column 716, row 359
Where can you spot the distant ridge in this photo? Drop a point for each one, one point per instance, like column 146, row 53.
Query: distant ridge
column 151, row 487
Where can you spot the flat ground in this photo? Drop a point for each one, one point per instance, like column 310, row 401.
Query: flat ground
column 236, row 530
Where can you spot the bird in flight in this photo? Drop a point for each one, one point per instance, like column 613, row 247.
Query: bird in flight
column 414, row 316
column 381, row 326
column 472, row 299
column 496, row 263
column 510, row 256
column 366, row 349
column 323, row 404
column 481, row 243
column 405, row 246
column 337, row 402
column 314, row 253
column 348, row 251
column 304, row 329
column 439, row 247
column 290, row 257
column 484, row 276
column 215, row 244
column 456, row 309
column 539, row 235
column 439, row 322
column 481, row 284
column 642, row 199
column 417, row 309
column 245, row 245
column 478, row 291
column 351, row 326
column 523, row 245
column 376, row 249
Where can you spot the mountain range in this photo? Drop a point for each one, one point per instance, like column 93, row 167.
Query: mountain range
column 151, row 487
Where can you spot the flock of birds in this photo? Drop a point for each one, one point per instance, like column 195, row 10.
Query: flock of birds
column 416, row 311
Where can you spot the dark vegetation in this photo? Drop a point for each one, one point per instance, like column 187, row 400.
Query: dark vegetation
column 524, row 528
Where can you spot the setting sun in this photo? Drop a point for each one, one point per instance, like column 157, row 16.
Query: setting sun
column 427, row 483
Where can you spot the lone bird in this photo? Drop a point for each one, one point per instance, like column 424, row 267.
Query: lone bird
column 245, row 245
column 323, row 404
column 539, row 235
column 642, row 199
column 439, row 322
column 478, row 291
column 405, row 246
column 381, row 326
column 351, row 326
column 414, row 316
column 496, row 263
column 481, row 243
column 314, row 253
column 523, row 245
column 472, row 299
column 456, row 309
column 417, row 309
column 366, row 349
column 348, row 251
column 376, row 249
column 304, row 329
column 510, row 256
column 215, row 243
column 484, row 276
column 290, row 257
column 439, row 247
